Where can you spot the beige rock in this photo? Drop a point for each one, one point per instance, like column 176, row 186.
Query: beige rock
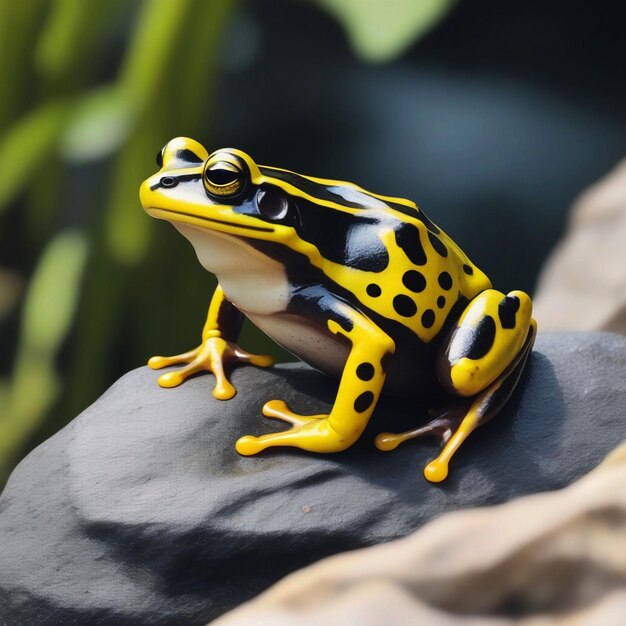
column 583, row 284
column 555, row 558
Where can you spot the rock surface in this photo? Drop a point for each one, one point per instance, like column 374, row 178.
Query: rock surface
column 550, row 559
column 141, row 511
column 583, row 284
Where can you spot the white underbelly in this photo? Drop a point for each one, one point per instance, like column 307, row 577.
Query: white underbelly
column 253, row 282
column 259, row 288
column 310, row 343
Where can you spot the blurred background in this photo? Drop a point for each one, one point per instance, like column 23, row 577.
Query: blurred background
column 492, row 116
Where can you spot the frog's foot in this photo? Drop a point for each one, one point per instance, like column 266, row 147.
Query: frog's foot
column 441, row 428
column 213, row 355
column 311, row 432
column 453, row 428
column 455, row 425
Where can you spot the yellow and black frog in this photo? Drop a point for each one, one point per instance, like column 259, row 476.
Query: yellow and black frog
column 361, row 286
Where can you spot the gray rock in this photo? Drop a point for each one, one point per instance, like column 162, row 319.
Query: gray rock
column 141, row 510
column 556, row 561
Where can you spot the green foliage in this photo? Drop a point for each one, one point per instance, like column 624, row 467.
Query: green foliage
column 379, row 30
column 27, row 145
column 48, row 312
column 81, row 301
column 58, row 120
column 99, row 125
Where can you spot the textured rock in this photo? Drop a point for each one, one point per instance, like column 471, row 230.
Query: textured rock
column 550, row 559
column 140, row 510
column 583, row 285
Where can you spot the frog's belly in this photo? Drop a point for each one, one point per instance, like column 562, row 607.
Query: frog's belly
column 328, row 353
column 310, row 343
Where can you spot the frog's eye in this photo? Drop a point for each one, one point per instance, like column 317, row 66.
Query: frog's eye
column 223, row 179
column 159, row 158
column 273, row 204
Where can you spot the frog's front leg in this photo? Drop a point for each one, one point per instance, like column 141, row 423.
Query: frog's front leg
column 217, row 351
column 360, row 386
column 481, row 360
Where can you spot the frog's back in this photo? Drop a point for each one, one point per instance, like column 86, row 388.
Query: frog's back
column 427, row 275
column 383, row 251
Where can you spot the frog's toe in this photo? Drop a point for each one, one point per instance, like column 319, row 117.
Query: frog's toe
column 387, row 441
column 436, row 471
column 171, row 379
column 159, row 362
column 248, row 445
column 223, row 389
column 260, row 360
column 278, row 409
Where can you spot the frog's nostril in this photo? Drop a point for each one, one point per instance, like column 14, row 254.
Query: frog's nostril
column 169, row 181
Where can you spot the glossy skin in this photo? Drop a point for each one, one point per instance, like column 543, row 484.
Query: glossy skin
column 361, row 286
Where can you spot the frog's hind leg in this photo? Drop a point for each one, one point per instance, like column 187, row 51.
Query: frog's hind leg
column 482, row 360
column 484, row 407
column 441, row 427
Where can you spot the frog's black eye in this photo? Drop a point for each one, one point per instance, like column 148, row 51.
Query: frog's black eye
column 159, row 158
column 273, row 204
column 223, row 179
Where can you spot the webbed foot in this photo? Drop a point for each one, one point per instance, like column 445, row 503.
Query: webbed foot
column 442, row 428
column 312, row 432
column 213, row 355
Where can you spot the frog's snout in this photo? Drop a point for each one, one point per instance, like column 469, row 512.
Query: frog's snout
column 146, row 194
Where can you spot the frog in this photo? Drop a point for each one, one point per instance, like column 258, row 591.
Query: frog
column 361, row 286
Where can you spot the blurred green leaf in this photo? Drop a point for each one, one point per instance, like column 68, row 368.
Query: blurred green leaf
column 203, row 37
column 99, row 125
column 156, row 35
column 52, row 52
column 380, row 30
column 51, row 296
column 158, row 32
column 191, row 30
column 71, row 42
column 49, row 309
column 55, row 48
column 102, row 120
column 19, row 22
column 24, row 148
column 127, row 227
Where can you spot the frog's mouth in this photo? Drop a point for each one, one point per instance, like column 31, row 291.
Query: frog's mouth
column 198, row 220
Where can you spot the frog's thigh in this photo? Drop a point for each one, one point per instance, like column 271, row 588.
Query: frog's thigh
column 485, row 341
column 484, row 357
column 360, row 386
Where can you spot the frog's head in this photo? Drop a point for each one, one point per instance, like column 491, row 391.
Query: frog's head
column 223, row 192
column 227, row 193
